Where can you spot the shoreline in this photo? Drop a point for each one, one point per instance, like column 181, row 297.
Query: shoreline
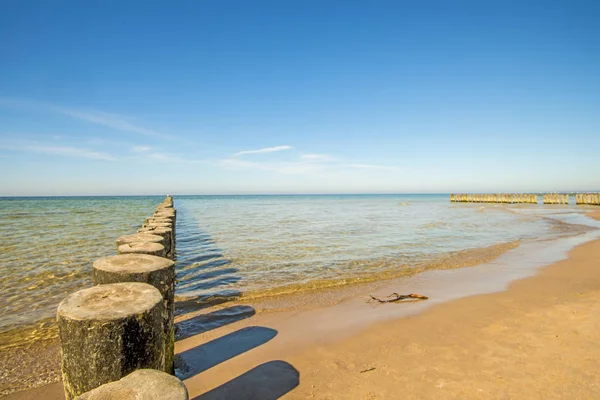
column 537, row 339
column 330, row 348
column 314, row 331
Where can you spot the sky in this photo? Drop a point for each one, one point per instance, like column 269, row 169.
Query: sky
column 234, row 97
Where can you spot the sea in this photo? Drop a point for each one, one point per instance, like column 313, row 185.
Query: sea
column 247, row 248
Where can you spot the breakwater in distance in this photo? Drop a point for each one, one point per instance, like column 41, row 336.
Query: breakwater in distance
column 121, row 329
column 526, row 198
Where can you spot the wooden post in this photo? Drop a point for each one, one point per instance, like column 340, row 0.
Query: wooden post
column 159, row 220
column 107, row 332
column 140, row 237
column 167, row 233
column 156, row 271
column 151, row 248
column 141, row 384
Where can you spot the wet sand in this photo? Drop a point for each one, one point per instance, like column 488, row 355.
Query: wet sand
column 538, row 339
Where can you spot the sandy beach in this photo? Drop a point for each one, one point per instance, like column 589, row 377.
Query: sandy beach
column 535, row 340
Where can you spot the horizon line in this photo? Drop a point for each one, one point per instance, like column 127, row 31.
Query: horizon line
column 570, row 192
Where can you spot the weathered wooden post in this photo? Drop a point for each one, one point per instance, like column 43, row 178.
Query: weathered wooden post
column 107, row 332
column 167, row 233
column 159, row 219
column 156, row 271
column 140, row 237
column 166, row 212
column 143, row 384
column 151, row 248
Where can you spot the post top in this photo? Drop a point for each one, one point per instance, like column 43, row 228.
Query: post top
column 139, row 237
column 140, row 247
column 111, row 301
column 132, row 263
column 156, row 229
column 148, row 384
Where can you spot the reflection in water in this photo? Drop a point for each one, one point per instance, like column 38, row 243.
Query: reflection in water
column 204, row 276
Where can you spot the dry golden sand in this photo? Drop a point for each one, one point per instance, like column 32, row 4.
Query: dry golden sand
column 537, row 340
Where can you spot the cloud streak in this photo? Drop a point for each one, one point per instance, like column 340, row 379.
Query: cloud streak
column 64, row 151
column 110, row 120
column 369, row 166
column 114, row 121
column 265, row 150
column 278, row 167
column 141, row 149
column 318, row 157
column 303, row 163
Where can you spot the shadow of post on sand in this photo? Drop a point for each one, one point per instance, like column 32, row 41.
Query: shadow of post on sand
column 213, row 320
column 205, row 356
column 268, row 381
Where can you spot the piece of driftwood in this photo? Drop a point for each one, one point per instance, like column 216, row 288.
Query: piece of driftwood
column 399, row 297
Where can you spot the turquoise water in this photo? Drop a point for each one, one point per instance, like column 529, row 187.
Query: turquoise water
column 252, row 246
column 49, row 245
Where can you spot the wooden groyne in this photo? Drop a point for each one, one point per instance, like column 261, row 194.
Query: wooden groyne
column 118, row 336
column 526, row 198
column 588, row 198
column 509, row 198
column 555, row 198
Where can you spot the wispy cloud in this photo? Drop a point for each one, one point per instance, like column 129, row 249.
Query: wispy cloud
column 279, row 167
column 318, row 157
column 96, row 117
column 141, row 149
column 165, row 157
column 369, row 166
column 96, row 141
column 113, row 121
column 265, row 150
column 303, row 163
column 146, row 153
column 64, row 151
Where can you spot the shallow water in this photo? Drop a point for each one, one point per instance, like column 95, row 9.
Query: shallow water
column 248, row 246
column 49, row 245
column 257, row 246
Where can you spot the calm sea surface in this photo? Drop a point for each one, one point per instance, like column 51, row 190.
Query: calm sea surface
column 249, row 246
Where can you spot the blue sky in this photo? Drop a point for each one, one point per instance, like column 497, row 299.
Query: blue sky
column 207, row 97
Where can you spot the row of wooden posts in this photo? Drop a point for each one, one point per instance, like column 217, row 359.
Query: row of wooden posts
column 118, row 336
column 516, row 198
column 588, row 198
column 493, row 198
